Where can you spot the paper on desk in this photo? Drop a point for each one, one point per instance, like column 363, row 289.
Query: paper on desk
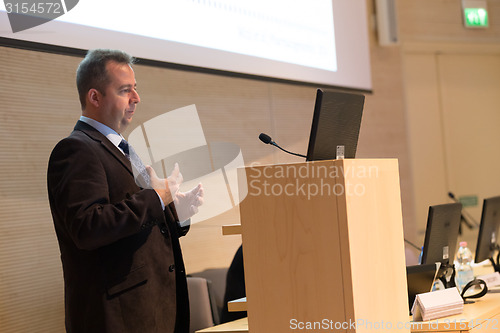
column 437, row 304
column 492, row 280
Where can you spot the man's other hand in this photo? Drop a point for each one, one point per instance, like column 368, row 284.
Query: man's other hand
column 187, row 203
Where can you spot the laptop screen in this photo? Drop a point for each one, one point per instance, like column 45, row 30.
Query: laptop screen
column 336, row 123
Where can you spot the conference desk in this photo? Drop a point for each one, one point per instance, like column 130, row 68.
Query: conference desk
column 482, row 316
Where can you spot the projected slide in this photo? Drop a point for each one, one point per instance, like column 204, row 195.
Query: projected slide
column 294, row 31
column 321, row 42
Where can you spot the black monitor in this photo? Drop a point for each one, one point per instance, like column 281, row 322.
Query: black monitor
column 336, row 123
column 488, row 231
column 441, row 234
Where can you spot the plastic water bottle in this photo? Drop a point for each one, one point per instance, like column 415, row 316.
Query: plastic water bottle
column 464, row 272
column 421, row 255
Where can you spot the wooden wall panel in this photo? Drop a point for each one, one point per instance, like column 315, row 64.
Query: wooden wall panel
column 293, row 108
column 469, row 93
column 425, row 137
column 38, row 106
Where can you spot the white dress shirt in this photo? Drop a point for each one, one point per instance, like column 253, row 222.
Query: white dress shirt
column 112, row 136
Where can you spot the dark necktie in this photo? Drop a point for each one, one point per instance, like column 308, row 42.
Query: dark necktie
column 125, row 147
column 140, row 173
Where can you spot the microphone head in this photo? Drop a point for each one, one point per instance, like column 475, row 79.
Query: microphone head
column 265, row 138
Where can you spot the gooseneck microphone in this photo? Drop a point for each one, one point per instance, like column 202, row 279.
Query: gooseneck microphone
column 464, row 215
column 266, row 138
column 268, row 141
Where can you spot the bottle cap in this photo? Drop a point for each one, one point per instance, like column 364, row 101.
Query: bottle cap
column 463, row 244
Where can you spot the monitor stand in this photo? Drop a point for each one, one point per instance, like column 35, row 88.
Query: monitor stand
column 446, row 270
column 495, row 265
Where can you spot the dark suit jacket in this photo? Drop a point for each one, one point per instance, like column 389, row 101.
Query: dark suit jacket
column 122, row 263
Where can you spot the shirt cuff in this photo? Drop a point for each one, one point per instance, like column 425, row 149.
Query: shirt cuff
column 161, row 201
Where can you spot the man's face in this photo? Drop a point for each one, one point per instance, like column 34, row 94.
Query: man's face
column 118, row 103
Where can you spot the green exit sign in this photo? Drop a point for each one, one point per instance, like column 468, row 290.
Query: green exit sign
column 468, row 200
column 475, row 18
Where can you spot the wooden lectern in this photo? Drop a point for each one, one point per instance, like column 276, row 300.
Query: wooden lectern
column 323, row 247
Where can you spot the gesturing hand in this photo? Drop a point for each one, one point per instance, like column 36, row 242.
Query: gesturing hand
column 187, row 203
column 174, row 181
column 166, row 188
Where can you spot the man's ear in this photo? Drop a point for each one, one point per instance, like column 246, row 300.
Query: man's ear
column 94, row 97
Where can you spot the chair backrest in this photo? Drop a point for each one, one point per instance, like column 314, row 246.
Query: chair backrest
column 216, row 278
column 200, row 305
